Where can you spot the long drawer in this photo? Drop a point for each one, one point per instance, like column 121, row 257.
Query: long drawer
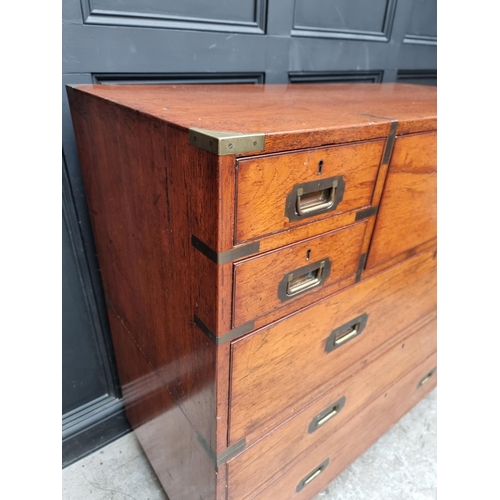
column 312, row 473
column 283, row 367
column 266, row 459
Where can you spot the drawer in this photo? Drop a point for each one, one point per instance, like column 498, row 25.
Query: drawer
column 283, row 367
column 312, row 268
column 407, row 213
column 312, row 473
column 283, row 191
column 266, row 459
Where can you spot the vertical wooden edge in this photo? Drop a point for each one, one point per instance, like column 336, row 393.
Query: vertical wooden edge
column 227, row 201
column 222, row 483
column 222, row 417
column 230, row 439
column 379, row 189
column 223, row 353
column 225, row 284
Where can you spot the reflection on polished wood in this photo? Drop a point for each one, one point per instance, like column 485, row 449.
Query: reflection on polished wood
column 223, row 406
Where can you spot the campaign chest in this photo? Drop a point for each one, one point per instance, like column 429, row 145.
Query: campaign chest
column 268, row 256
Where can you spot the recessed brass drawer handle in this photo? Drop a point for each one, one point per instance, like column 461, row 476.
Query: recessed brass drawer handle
column 344, row 337
column 312, row 198
column 427, row 377
column 326, row 415
column 303, row 279
column 303, row 282
column 346, row 332
column 312, row 475
column 317, row 201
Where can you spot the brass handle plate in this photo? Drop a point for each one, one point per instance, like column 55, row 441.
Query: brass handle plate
column 427, row 377
column 303, row 282
column 303, row 279
column 341, row 335
column 313, row 198
column 317, row 201
column 326, row 415
column 312, row 475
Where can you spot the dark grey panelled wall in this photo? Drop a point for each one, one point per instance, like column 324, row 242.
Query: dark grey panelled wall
column 200, row 41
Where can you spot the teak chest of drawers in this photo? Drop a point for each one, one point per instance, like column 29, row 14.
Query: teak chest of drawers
column 268, row 255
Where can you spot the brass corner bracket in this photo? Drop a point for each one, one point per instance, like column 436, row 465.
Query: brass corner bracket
column 225, row 143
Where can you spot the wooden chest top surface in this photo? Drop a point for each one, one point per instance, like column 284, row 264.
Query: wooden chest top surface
column 290, row 116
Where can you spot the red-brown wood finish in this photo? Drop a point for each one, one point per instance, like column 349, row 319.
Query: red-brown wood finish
column 264, row 461
column 407, row 214
column 257, row 280
column 190, row 393
column 264, row 183
column 355, row 437
column 279, row 369
column 291, row 116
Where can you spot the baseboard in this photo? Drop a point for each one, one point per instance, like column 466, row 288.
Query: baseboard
column 92, row 426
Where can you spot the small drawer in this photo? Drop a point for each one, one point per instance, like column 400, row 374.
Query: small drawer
column 265, row 460
column 313, row 471
column 309, row 269
column 281, row 368
column 283, row 191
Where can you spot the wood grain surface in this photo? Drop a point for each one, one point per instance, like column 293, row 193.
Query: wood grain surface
column 257, row 279
column 407, row 215
column 278, row 370
column 263, row 184
column 291, row 116
column 353, row 438
column 265, row 460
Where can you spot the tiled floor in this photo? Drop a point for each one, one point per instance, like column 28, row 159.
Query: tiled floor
column 400, row 466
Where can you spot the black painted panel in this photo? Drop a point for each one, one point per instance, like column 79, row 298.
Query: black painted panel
column 350, row 19
column 326, row 55
column 421, row 77
column 423, row 19
column 105, row 49
column 225, row 10
column 337, row 77
column 172, row 78
column 82, row 373
column 216, row 15
column 348, row 15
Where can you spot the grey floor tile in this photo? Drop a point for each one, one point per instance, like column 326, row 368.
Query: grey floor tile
column 400, row 466
column 119, row 471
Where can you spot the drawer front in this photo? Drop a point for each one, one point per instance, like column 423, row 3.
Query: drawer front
column 310, row 268
column 407, row 214
column 283, row 191
column 279, row 369
column 312, row 473
column 266, row 459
